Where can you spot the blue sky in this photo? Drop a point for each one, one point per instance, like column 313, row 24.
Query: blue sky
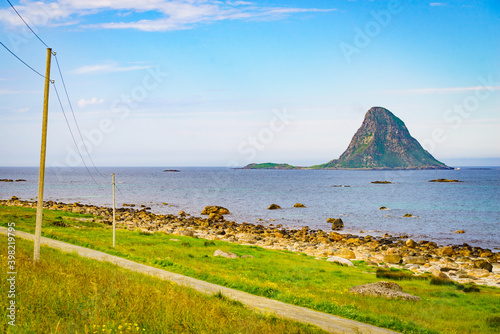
column 227, row 83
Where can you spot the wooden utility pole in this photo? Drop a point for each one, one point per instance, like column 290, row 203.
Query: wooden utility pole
column 41, row 179
column 114, row 210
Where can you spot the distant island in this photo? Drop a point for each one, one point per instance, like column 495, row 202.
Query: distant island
column 382, row 142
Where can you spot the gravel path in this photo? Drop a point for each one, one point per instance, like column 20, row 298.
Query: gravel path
column 328, row 322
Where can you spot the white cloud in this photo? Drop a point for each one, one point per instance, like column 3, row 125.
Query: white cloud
column 174, row 14
column 107, row 68
column 14, row 92
column 22, row 110
column 82, row 103
column 437, row 4
column 441, row 90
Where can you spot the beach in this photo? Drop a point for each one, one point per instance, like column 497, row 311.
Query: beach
column 461, row 263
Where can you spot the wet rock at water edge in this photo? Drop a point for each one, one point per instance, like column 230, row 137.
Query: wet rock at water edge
column 337, row 223
column 274, row 207
column 215, row 209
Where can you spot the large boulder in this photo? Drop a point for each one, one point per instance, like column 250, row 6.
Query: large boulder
column 228, row 255
column 415, row 260
column 337, row 223
column 483, row 264
column 383, row 289
column 215, row 209
column 392, row 258
column 273, row 207
column 447, row 251
column 410, row 243
column 340, row 260
column 346, row 253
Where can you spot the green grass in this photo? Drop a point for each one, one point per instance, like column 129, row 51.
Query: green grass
column 66, row 293
column 285, row 276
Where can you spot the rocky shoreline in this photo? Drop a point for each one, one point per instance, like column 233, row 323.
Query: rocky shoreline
column 460, row 263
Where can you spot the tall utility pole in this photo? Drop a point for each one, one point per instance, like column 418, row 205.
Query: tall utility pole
column 41, row 179
column 114, row 210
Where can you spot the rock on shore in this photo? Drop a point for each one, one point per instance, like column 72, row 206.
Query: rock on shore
column 461, row 263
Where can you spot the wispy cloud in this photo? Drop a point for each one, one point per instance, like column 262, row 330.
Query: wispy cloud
column 82, row 103
column 447, row 90
column 173, row 14
column 107, row 68
column 15, row 92
column 437, row 4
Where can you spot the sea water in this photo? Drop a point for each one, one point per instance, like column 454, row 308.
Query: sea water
column 439, row 209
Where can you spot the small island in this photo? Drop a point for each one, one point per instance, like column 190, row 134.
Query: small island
column 382, row 142
column 445, row 180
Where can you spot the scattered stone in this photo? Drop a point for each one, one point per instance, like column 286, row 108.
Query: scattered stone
column 273, row 207
column 340, row 260
column 182, row 214
column 478, row 273
column 410, row 243
column 426, row 256
column 299, row 205
column 407, row 215
column 415, row 260
column 459, row 231
column 447, row 251
column 21, row 180
column 392, row 258
column 383, row 289
column 346, row 253
column 337, row 223
column 483, row 264
column 215, row 209
column 383, row 208
column 228, row 255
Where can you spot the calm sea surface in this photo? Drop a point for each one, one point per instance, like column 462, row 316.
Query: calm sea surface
column 473, row 205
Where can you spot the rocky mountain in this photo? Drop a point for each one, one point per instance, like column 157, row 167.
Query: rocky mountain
column 382, row 142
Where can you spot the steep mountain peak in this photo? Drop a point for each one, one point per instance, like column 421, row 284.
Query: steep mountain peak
column 383, row 141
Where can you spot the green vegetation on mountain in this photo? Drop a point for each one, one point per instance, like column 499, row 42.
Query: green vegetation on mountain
column 269, row 165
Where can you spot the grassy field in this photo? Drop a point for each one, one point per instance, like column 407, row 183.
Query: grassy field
column 289, row 277
column 69, row 294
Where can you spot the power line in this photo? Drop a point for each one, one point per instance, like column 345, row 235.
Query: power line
column 34, row 33
column 70, row 131
column 74, row 117
column 22, row 61
column 58, row 98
